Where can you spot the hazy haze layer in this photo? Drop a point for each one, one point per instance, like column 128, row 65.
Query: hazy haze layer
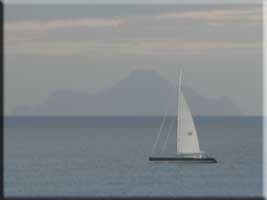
column 90, row 47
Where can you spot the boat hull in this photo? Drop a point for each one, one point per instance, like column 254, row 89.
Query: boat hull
column 184, row 159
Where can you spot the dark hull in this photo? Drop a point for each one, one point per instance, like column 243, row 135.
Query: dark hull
column 184, row 159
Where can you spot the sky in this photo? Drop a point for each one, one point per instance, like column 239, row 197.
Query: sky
column 91, row 47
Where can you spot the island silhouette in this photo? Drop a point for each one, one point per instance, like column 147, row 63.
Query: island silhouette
column 142, row 93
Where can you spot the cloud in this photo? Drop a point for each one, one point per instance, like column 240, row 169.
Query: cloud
column 40, row 26
column 124, row 47
column 216, row 15
column 27, row 37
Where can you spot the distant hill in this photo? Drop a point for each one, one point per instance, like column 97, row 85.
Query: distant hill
column 143, row 92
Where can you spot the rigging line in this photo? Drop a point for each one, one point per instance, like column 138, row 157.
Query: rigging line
column 161, row 126
column 159, row 132
column 166, row 140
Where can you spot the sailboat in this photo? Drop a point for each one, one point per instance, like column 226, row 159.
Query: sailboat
column 187, row 145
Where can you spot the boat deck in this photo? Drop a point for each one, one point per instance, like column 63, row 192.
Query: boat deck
column 183, row 159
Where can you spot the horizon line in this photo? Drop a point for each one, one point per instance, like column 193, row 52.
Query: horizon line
column 121, row 116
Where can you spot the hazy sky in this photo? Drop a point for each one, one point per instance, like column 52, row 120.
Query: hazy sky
column 90, row 47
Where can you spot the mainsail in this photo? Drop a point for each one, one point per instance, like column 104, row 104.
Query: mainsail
column 187, row 139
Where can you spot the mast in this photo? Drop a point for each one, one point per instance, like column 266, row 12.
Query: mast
column 178, row 111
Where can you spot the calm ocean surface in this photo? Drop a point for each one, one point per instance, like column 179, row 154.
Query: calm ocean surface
column 108, row 156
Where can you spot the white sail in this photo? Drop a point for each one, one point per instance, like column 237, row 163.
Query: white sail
column 187, row 139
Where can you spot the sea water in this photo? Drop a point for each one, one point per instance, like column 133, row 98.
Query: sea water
column 108, row 156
